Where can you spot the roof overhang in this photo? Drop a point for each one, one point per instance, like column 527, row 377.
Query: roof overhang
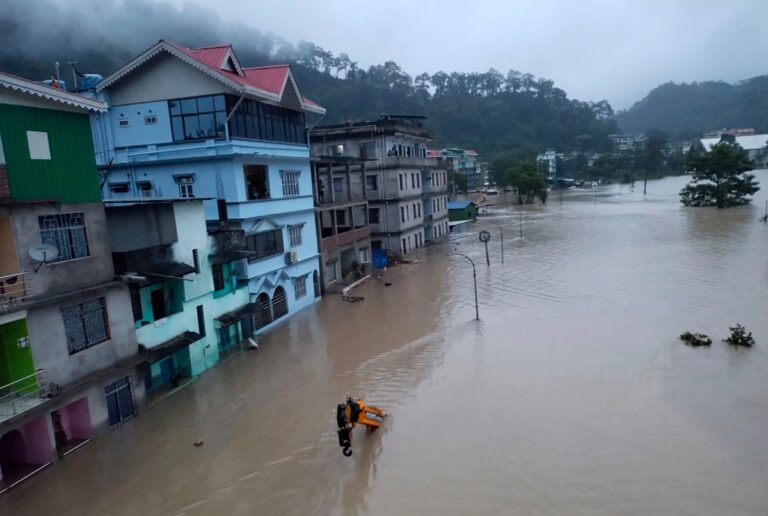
column 45, row 92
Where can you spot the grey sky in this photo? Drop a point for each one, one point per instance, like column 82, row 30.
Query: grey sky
column 592, row 49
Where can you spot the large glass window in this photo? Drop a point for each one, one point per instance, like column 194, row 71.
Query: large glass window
column 198, row 118
column 258, row 121
column 267, row 243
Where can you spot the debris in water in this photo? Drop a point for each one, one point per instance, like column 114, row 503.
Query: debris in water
column 739, row 337
column 696, row 339
column 387, row 284
column 198, row 444
column 352, row 299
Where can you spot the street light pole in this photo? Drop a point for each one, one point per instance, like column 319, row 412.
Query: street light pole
column 501, row 232
column 474, row 278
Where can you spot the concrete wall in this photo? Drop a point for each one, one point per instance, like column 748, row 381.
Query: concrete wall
column 49, row 343
column 60, row 277
column 163, row 77
column 157, row 223
column 138, row 131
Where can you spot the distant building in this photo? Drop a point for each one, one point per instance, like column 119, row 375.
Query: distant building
column 754, row 144
column 733, row 132
column 194, row 123
column 69, row 362
column 627, row 142
column 407, row 191
column 461, row 210
column 465, row 162
column 549, row 158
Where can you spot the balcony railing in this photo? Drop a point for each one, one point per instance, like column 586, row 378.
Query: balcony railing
column 23, row 394
column 14, row 290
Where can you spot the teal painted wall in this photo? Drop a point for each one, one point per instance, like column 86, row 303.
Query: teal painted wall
column 174, row 299
column 230, row 280
column 15, row 362
column 70, row 175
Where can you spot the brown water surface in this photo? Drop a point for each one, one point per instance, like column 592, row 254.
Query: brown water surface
column 572, row 395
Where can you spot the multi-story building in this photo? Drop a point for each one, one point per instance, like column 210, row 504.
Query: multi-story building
column 406, row 190
column 195, row 123
column 549, row 160
column 464, row 162
column 69, row 361
column 189, row 308
column 342, row 219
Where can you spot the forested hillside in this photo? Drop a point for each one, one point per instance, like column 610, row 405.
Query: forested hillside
column 686, row 110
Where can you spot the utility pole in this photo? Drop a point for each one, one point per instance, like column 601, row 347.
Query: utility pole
column 474, row 278
column 484, row 238
column 501, row 232
column 521, row 223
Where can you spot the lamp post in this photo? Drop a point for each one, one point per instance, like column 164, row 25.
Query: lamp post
column 474, row 278
column 484, row 238
column 501, row 233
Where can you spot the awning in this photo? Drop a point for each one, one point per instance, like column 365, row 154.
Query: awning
column 229, row 256
column 170, row 346
column 235, row 315
column 159, row 273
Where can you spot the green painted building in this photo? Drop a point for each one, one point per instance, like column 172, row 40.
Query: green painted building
column 461, row 210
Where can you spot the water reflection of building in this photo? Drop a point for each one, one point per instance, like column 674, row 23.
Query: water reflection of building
column 406, row 190
column 342, row 219
column 186, row 122
column 69, row 362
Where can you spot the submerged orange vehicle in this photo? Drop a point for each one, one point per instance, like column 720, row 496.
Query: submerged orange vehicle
column 354, row 412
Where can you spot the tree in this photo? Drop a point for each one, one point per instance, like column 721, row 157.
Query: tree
column 719, row 178
column 459, row 181
column 529, row 182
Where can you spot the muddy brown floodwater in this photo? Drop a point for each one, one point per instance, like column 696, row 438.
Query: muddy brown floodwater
column 572, row 395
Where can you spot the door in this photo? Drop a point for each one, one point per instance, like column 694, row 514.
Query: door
column 158, row 304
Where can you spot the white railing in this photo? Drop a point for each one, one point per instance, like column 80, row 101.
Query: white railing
column 14, row 290
column 23, row 394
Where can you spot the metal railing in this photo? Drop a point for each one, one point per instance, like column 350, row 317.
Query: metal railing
column 23, row 394
column 14, row 290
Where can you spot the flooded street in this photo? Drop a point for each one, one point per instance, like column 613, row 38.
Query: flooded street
column 572, row 395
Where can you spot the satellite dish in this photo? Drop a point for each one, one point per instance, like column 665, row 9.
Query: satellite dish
column 43, row 253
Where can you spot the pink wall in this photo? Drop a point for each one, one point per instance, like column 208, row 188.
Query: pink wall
column 76, row 419
column 38, row 441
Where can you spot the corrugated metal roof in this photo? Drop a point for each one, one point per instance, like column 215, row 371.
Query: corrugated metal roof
column 41, row 90
column 747, row 142
column 458, row 205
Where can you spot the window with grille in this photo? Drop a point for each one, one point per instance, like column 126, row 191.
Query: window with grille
column 264, row 244
column 66, row 232
column 279, row 303
column 85, row 324
column 300, row 287
column 373, row 215
column 294, row 232
column 290, row 183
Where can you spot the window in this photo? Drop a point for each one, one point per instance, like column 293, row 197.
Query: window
column 373, row 215
column 38, row 145
column 257, row 121
column 400, row 177
column 85, row 324
column 338, row 185
column 186, row 184
column 119, row 401
column 419, row 206
column 405, row 247
column 256, row 182
column 402, row 213
column 330, row 272
column 367, row 150
column 200, row 320
column 300, row 288
column 364, row 255
column 66, row 232
column 145, row 188
column 218, row 277
column 413, row 180
column 341, row 218
column 371, row 183
column 150, row 119
column 197, row 118
column 118, row 187
column 291, row 183
column 267, row 243
column 123, row 122
column 413, row 207
column 399, row 150
column 294, row 235
column 338, row 150
column 279, row 303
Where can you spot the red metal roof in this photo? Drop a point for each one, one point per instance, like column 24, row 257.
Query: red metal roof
column 267, row 78
column 434, row 153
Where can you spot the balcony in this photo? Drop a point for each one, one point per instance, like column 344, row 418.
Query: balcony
column 157, row 332
column 23, row 394
column 344, row 238
column 411, row 162
column 15, row 291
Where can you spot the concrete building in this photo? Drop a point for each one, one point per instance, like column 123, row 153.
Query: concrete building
column 407, row 192
column 342, row 220
column 189, row 308
column 195, row 123
column 69, row 361
column 550, row 158
column 754, row 144
column 464, row 162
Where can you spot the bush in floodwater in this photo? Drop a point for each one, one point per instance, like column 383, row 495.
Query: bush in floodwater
column 695, row 339
column 739, row 337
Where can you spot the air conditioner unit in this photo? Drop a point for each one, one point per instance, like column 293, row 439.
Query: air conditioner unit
column 291, row 257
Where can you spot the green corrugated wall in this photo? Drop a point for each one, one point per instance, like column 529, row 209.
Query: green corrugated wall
column 70, row 175
column 15, row 362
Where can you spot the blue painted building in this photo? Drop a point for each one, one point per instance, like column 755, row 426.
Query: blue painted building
column 194, row 123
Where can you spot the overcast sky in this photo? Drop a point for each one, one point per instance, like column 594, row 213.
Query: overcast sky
column 592, row 49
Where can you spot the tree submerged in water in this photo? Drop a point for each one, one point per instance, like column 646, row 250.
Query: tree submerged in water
column 740, row 337
column 695, row 339
column 719, row 177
